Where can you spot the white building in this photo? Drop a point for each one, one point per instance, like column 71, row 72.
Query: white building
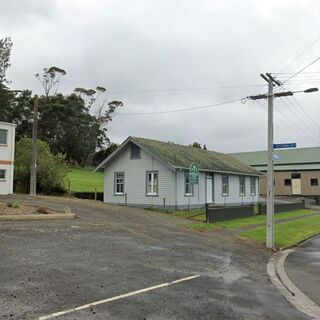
column 7, row 142
column 147, row 173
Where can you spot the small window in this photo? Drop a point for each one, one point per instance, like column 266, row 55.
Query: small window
column 295, row 175
column 225, row 185
column 242, row 186
column 119, row 183
column 314, row 182
column 152, row 183
column 135, row 152
column 188, row 185
column 3, row 136
column 252, row 186
column 3, row 174
column 287, row 182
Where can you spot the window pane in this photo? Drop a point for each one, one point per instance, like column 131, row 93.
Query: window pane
column 2, row 174
column 3, row 136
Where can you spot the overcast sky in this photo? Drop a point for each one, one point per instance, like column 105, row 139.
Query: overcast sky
column 127, row 46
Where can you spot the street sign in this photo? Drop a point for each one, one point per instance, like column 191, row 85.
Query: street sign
column 284, row 145
column 194, row 173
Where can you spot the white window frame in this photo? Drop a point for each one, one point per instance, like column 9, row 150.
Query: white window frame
column 225, row 184
column 188, row 184
column 5, row 175
column 154, row 183
column 242, row 187
column 118, row 182
column 253, row 179
column 6, row 137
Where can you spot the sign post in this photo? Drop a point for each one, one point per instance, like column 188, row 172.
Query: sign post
column 194, row 177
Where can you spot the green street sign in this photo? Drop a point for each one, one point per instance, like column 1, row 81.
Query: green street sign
column 194, row 173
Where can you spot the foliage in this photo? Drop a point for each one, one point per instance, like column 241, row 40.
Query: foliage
column 196, row 145
column 50, row 78
column 51, row 169
column 84, row 180
column 103, row 153
column 5, row 51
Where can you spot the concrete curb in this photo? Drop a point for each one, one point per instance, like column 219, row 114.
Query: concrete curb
column 289, row 290
column 34, row 217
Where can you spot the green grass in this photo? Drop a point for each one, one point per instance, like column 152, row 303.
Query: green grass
column 192, row 214
column 289, row 233
column 244, row 222
column 84, row 180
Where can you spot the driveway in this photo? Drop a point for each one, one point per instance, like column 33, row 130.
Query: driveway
column 53, row 266
column 303, row 268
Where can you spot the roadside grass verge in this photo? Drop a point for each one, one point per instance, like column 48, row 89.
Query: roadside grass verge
column 236, row 223
column 287, row 234
column 192, row 214
column 84, row 180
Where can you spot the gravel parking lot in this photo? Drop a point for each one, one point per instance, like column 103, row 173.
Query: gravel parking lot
column 49, row 267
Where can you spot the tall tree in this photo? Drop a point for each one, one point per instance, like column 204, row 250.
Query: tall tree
column 5, row 51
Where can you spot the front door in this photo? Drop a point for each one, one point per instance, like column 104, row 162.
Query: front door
column 296, row 186
column 209, row 189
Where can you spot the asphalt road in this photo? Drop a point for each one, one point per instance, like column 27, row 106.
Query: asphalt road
column 51, row 266
column 303, row 268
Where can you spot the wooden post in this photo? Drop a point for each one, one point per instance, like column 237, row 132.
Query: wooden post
column 33, row 173
column 125, row 199
column 164, row 204
column 69, row 185
column 95, row 194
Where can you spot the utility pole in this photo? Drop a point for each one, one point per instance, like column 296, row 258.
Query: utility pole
column 33, row 171
column 270, row 241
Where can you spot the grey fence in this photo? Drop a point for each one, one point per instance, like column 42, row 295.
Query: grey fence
column 214, row 213
column 89, row 195
column 282, row 207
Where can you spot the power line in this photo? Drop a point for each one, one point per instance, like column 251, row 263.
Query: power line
column 301, row 53
column 179, row 110
column 187, row 89
column 304, row 68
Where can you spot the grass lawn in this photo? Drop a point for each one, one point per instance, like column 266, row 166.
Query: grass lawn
column 192, row 214
column 242, row 222
column 84, row 180
column 289, row 233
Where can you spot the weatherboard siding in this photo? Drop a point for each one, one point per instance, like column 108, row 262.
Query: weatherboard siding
column 135, row 180
column 234, row 198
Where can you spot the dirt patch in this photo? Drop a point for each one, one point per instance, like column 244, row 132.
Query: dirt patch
column 13, row 208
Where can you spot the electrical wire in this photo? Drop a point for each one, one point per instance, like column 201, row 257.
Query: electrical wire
column 179, row 110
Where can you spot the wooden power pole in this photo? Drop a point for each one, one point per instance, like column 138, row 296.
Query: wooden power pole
column 33, row 173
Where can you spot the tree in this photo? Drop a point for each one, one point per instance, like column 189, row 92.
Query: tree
column 5, row 51
column 51, row 169
column 50, row 78
column 103, row 153
column 196, row 145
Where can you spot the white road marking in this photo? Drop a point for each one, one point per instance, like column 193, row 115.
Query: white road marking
column 121, row 296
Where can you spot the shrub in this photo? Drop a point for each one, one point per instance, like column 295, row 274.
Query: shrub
column 51, row 169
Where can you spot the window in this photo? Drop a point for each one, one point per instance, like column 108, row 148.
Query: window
column 135, row 152
column 3, row 136
column 188, row 185
column 2, row 174
column 119, row 183
column 242, row 186
column 295, row 175
column 252, row 186
column 152, row 183
column 225, row 185
column 314, row 182
column 287, row 182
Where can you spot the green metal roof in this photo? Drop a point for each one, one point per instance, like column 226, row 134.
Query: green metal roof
column 290, row 159
column 179, row 156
